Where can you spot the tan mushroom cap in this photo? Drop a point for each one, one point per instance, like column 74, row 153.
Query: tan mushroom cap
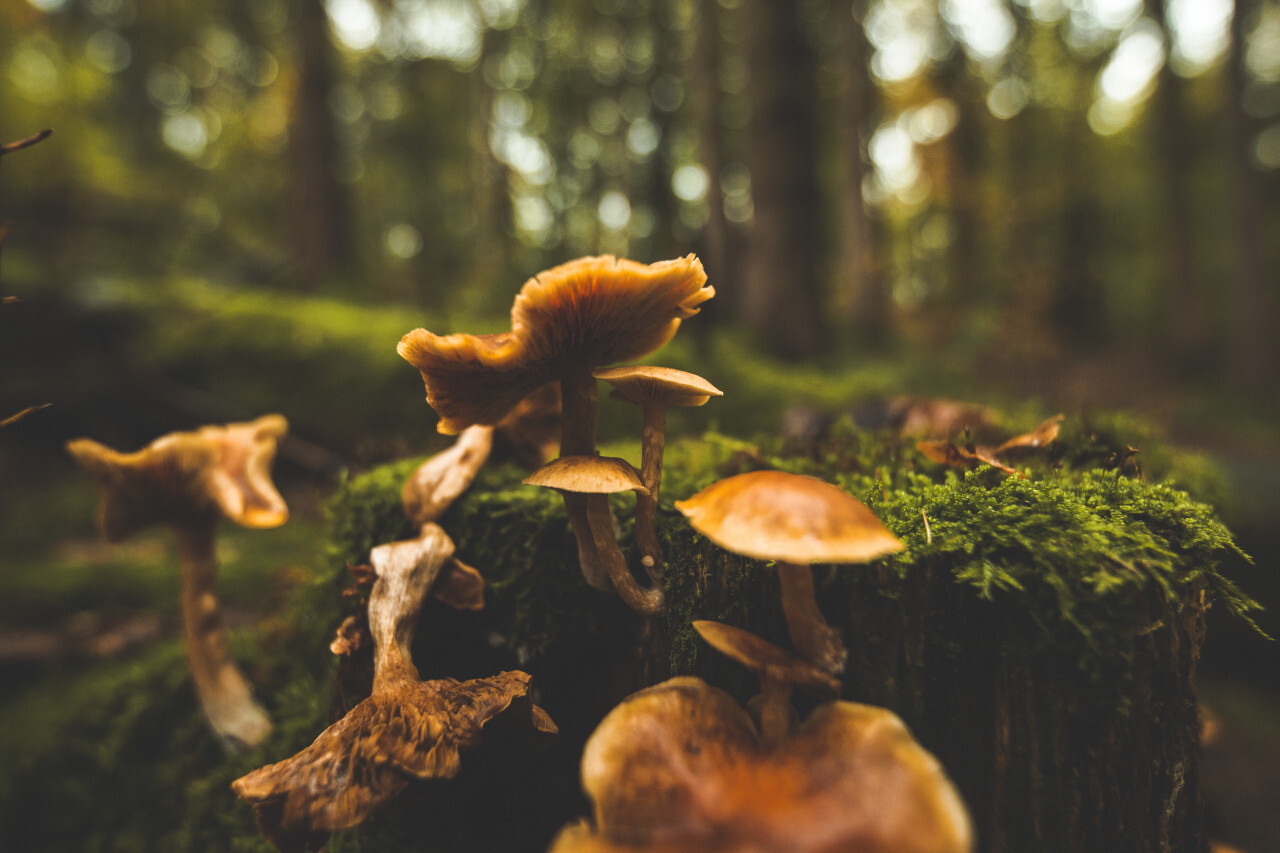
column 774, row 515
column 215, row 469
column 588, row 475
column 679, row 765
column 592, row 311
column 643, row 384
column 763, row 657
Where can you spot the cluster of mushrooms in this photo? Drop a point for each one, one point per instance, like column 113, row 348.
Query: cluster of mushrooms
column 677, row 767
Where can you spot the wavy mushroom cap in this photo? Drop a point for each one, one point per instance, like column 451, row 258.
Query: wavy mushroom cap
column 642, row 384
column 589, row 312
column 365, row 759
column 678, row 767
column 773, row 515
column 588, row 475
column 185, row 475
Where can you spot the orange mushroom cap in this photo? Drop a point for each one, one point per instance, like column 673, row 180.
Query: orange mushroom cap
column 644, row 383
column 588, row 475
column 213, row 469
column 773, row 515
column 590, row 312
column 677, row 767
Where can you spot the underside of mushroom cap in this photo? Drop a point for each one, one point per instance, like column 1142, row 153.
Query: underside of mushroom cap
column 589, row 312
column 775, row 515
column 184, row 475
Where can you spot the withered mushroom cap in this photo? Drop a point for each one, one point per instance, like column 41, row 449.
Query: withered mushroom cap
column 215, row 469
column 643, row 384
column 587, row 475
column 774, row 515
column 761, row 656
column 591, row 311
column 677, row 767
column 365, row 759
column 438, row 482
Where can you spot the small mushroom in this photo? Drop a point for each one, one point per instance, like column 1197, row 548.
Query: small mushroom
column 677, row 768
column 565, row 322
column 596, row 477
column 438, row 482
column 654, row 389
column 186, row 481
column 796, row 521
column 779, row 671
column 405, row 729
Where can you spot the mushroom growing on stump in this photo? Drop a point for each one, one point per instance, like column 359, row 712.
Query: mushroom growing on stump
column 595, row 478
column 565, row 322
column 654, row 389
column 795, row 521
column 678, row 768
column 186, row 481
column 779, row 671
column 406, row 729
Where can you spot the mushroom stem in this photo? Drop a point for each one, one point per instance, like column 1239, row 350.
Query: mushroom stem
column 222, row 689
column 578, row 438
column 815, row 640
column 775, row 710
column 653, row 442
column 648, row 602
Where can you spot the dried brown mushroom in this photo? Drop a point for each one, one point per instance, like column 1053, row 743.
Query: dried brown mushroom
column 795, row 521
column 595, row 478
column 778, row 670
column 439, row 481
column 654, row 389
column 187, row 481
column 565, row 322
column 407, row 729
column 677, row 768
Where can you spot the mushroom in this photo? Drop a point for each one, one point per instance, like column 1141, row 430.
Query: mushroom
column 594, row 478
column 779, row 671
column 405, row 729
column 654, row 389
column 795, row 521
column 438, row 482
column 677, row 768
column 185, row 481
column 565, row 322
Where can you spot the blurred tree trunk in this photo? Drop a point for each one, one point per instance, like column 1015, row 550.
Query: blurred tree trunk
column 1184, row 331
column 721, row 262
column 781, row 303
column 861, row 279
column 319, row 230
column 1251, row 352
column 964, row 163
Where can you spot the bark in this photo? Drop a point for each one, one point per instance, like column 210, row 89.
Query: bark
column 781, row 302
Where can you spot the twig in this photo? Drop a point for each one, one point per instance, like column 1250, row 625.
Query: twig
column 11, row 147
column 13, row 419
column 928, row 535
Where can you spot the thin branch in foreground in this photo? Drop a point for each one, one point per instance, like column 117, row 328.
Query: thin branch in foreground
column 13, row 419
column 11, row 147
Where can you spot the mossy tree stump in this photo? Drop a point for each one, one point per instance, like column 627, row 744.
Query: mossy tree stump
column 1039, row 635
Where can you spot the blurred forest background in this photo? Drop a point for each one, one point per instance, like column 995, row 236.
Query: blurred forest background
column 1041, row 204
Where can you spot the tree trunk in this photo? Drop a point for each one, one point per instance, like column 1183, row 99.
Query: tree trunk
column 861, row 280
column 781, row 302
column 319, row 231
column 1251, row 350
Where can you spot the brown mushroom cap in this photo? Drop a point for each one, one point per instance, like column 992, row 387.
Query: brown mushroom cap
column 641, row 384
column 588, row 475
column 215, row 469
column 773, row 515
column 590, row 312
column 678, row 765
column 761, row 656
